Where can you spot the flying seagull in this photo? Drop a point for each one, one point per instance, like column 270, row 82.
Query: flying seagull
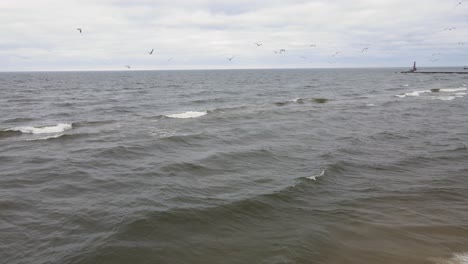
column 461, row 43
column 313, row 45
column 459, row 3
column 127, row 66
column 336, row 53
column 230, row 59
column 282, row 50
column 151, row 52
column 364, row 49
column 258, row 44
column 450, row 29
column 79, row 29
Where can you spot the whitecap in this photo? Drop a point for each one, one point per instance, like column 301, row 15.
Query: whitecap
column 415, row 93
column 370, row 105
column 42, row 130
column 314, row 177
column 298, row 100
column 461, row 258
column 188, row 114
column 444, row 98
column 45, row 138
column 451, row 90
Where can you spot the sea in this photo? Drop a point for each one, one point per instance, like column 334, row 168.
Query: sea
column 234, row 166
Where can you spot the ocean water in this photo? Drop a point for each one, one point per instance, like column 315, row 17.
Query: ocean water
column 233, row 166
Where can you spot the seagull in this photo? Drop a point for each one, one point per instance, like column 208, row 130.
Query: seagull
column 169, row 59
column 128, row 66
column 151, row 52
column 282, row 50
column 313, row 45
column 336, row 53
column 450, row 29
column 258, row 44
column 79, row 29
column 364, row 49
column 459, row 3
column 461, row 43
column 230, row 59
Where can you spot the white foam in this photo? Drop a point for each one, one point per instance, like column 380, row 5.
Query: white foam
column 370, row 105
column 46, row 137
column 444, row 98
column 415, row 93
column 451, row 90
column 405, row 85
column 314, row 177
column 188, row 114
column 42, row 130
column 459, row 95
column 461, row 258
column 297, row 100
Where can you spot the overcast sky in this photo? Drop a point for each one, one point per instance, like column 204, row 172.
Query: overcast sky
column 202, row 34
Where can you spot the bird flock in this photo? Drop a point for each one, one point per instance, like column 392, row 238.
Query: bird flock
column 434, row 57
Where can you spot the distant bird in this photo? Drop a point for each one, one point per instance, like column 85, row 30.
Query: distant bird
column 461, row 43
column 303, row 57
column 151, row 52
column 364, row 49
column 230, row 59
column 450, row 29
column 282, row 50
column 79, row 29
column 258, row 44
column 336, row 53
column 169, row 59
column 127, row 66
column 436, row 54
column 313, row 45
column 459, row 3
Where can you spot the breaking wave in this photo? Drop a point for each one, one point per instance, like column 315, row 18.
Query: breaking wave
column 188, row 114
column 42, row 130
column 445, row 94
column 460, row 258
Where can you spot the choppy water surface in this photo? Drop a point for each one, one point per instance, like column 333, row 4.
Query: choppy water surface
column 255, row 166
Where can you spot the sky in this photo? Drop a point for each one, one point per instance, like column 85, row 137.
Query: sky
column 42, row 35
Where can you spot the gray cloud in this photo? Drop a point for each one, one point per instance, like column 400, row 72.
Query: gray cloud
column 42, row 35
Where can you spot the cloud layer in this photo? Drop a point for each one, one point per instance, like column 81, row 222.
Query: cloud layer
column 202, row 34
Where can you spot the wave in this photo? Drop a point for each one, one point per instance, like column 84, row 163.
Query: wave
column 314, row 177
column 8, row 133
column 92, row 123
column 42, row 130
column 451, row 90
column 302, row 100
column 444, row 98
column 60, row 136
column 456, row 92
column 225, row 109
column 188, row 114
column 19, row 120
column 458, row 258
column 415, row 93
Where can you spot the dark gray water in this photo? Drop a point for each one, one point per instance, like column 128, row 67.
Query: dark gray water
column 254, row 166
